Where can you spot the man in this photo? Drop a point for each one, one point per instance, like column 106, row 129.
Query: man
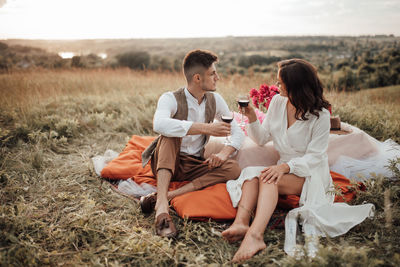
column 185, row 121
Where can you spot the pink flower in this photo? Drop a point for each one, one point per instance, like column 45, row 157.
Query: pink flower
column 274, row 89
column 255, row 101
column 262, row 97
column 253, row 92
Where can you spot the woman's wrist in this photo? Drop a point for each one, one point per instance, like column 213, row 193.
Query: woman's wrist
column 252, row 116
column 285, row 167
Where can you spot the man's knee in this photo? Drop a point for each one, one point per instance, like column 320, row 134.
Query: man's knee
column 169, row 143
column 232, row 169
column 165, row 155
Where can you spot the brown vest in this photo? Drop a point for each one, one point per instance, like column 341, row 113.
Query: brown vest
column 182, row 114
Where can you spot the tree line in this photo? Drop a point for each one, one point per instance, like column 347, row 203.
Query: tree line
column 343, row 63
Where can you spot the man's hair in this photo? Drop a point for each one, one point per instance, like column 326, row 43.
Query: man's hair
column 303, row 86
column 197, row 61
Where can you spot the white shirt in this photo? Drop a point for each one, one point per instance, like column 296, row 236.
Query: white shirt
column 303, row 146
column 164, row 124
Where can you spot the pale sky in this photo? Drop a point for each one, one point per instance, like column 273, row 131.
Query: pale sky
column 89, row 19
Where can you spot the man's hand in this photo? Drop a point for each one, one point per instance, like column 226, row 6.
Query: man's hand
column 219, row 129
column 216, row 160
column 274, row 173
column 213, row 129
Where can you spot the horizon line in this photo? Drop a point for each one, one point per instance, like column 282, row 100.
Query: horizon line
column 203, row 37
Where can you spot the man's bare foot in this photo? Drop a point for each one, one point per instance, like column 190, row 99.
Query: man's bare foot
column 235, row 232
column 251, row 244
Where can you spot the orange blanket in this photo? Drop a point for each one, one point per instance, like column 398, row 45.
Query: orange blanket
column 212, row 202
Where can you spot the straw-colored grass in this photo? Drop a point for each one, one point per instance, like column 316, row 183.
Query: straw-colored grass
column 56, row 211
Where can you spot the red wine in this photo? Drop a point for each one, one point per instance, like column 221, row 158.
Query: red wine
column 243, row 103
column 227, row 119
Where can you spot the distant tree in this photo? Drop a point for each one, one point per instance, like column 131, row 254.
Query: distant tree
column 177, row 64
column 347, row 80
column 134, row 60
column 3, row 46
column 342, row 64
column 76, row 62
column 248, row 61
column 366, row 68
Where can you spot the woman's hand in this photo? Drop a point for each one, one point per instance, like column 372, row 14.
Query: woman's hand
column 274, row 173
column 249, row 113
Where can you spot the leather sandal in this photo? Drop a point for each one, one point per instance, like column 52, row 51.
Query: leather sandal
column 165, row 227
column 148, row 203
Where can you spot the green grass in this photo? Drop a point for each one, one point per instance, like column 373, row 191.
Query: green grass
column 56, row 211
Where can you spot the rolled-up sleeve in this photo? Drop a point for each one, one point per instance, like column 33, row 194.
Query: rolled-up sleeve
column 237, row 135
column 163, row 123
column 316, row 150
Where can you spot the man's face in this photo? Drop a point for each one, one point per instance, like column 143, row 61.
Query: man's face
column 209, row 79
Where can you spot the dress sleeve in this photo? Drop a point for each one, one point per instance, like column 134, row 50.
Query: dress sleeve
column 316, row 151
column 261, row 133
column 163, row 123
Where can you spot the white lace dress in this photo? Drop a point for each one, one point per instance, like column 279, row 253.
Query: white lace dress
column 303, row 146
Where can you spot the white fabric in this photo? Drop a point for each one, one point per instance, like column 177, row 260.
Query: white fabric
column 99, row 162
column 304, row 148
column 361, row 169
column 164, row 124
column 130, row 187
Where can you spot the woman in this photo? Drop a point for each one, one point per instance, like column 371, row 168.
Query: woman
column 298, row 123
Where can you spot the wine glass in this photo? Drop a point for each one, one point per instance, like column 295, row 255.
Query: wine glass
column 228, row 118
column 243, row 101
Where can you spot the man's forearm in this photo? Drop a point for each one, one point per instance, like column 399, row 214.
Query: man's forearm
column 198, row 128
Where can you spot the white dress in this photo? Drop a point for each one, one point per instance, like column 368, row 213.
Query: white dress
column 303, row 146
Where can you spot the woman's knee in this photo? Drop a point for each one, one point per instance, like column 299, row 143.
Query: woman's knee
column 290, row 185
column 252, row 181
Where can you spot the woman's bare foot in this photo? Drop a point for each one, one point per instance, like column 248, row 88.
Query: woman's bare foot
column 235, row 232
column 252, row 243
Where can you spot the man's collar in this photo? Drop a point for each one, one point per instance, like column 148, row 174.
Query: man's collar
column 191, row 97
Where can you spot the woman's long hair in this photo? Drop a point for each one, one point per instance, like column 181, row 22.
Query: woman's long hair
column 304, row 88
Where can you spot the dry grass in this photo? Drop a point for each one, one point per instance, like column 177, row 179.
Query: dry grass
column 55, row 211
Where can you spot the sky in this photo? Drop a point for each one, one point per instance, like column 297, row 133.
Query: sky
column 102, row 19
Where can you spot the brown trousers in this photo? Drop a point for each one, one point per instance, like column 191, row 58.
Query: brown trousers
column 189, row 168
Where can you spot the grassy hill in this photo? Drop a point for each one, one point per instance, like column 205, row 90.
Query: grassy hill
column 56, row 211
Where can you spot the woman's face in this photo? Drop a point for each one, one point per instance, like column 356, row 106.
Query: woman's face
column 281, row 85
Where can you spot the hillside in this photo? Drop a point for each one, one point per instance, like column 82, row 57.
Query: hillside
column 344, row 63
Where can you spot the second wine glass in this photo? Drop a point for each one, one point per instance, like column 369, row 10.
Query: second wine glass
column 243, row 101
column 228, row 118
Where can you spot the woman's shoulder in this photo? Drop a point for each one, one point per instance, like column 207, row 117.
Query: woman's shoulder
column 324, row 113
column 278, row 100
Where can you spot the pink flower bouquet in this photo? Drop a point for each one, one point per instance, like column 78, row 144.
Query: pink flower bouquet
column 261, row 99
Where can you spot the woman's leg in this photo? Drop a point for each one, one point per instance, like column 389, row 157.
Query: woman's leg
column 245, row 210
column 266, row 204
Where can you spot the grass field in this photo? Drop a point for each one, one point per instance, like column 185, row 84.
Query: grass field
column 56, row 211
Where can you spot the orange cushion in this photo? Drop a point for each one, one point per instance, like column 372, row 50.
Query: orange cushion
column 214, row 201
column 211, row 202
column 340, row 181
column 128, row 164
